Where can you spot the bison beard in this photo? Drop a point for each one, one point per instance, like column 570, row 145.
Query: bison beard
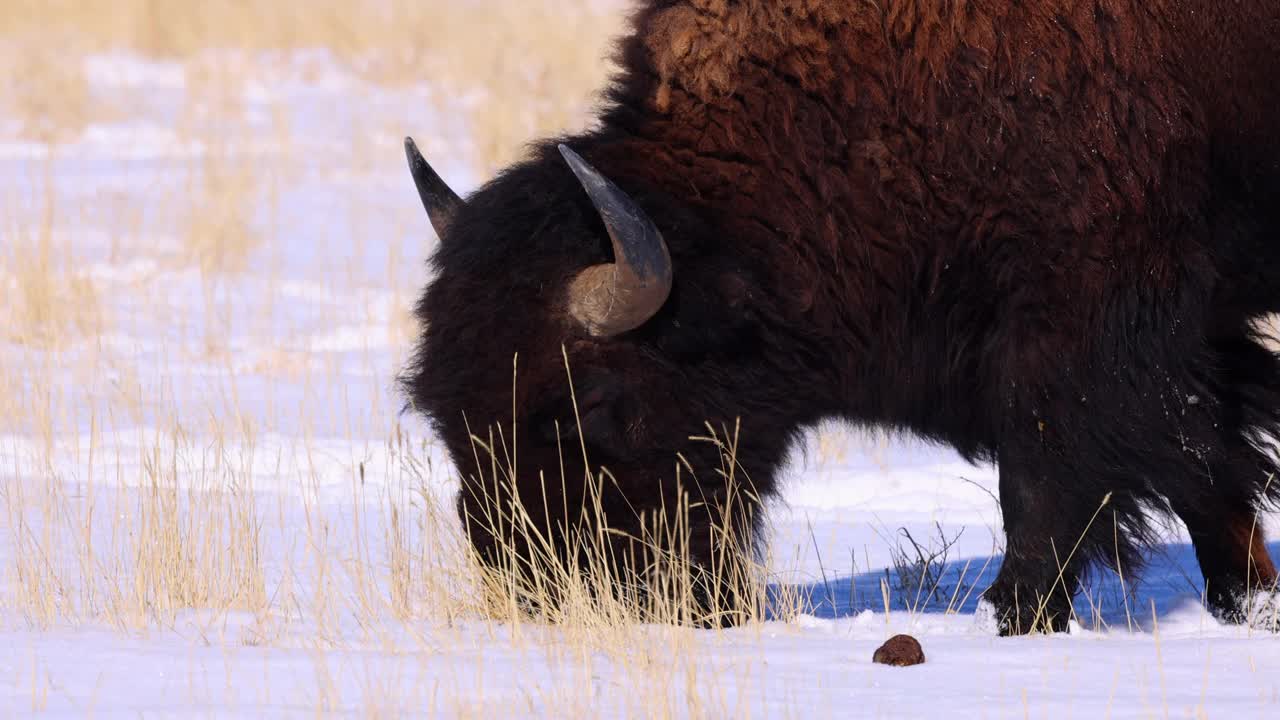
column 1039, row 232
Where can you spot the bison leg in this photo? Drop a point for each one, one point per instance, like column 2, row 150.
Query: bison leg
column 1221, row 519
column 1233, row 557
column 1040, row 572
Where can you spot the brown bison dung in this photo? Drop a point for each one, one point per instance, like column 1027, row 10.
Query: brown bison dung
column 899, row 651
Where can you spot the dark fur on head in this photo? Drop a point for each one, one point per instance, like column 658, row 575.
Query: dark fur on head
column 1038, row 232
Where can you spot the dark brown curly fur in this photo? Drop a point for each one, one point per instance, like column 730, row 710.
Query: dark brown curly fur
column 1036, row 231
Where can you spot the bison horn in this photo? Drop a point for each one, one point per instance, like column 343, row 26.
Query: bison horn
column 440, row 202
column 613, row 298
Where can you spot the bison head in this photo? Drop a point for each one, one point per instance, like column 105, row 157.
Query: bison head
column 587, row 354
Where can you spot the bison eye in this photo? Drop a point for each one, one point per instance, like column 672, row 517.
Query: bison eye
column 551, row 428
column 597, row 410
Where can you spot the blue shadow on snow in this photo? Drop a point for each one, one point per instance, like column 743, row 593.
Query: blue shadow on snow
column 1170, row 578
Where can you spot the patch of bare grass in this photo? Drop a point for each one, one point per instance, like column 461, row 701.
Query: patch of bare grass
column 219, row 233
column 132, row 552
column 48, row 295
column 47, row 94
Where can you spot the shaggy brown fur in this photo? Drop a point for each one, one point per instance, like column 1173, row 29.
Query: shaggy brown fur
column 1037, row 231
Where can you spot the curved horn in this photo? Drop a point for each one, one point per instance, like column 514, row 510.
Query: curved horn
column 615, row 297
column 439, row 201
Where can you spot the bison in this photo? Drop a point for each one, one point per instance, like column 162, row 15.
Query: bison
column 1039, row 232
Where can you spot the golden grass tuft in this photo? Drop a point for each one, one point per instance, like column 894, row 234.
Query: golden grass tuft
column 47, row 93
column 133, row 551
column 609, row 579
column 218, row 231
column 50, row 299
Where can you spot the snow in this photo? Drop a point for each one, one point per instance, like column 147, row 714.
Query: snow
column 281, row 376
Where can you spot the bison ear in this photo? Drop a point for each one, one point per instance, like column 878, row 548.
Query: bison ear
column 440, row 202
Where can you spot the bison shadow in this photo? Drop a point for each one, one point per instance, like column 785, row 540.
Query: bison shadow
column 1170, row 580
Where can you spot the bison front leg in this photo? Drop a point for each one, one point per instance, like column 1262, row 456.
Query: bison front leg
column 1047, row 537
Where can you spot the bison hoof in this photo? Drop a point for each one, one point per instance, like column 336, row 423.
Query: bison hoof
column 1007, row 619
column 1259, row 610
column 726, row 609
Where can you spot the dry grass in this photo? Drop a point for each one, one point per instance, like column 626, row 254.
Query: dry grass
column 126, row 506
column 49, row 301
column 219, row 233
column 48, row 94
column 175, row 526
column 511, row 70
column 387, row 572
column 507, row 71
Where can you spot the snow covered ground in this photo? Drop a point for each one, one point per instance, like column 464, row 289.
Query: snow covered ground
column 214, row 507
